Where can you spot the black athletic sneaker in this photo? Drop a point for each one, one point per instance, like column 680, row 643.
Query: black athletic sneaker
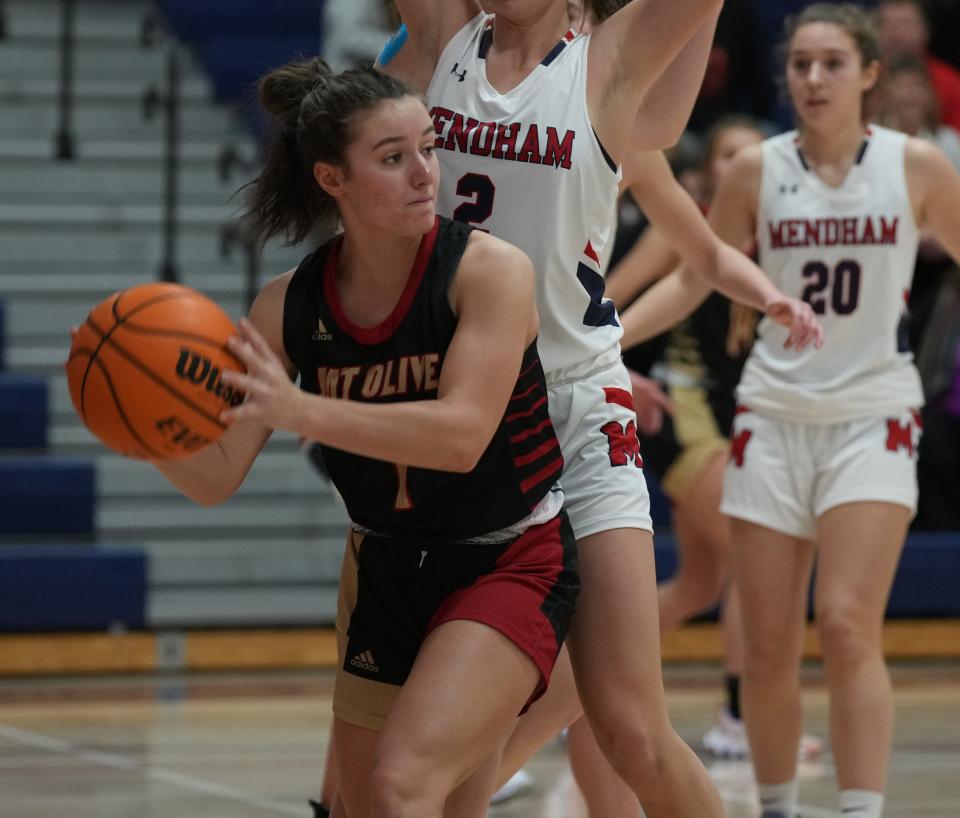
column 320, row 810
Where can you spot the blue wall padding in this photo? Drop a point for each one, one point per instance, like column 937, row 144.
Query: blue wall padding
column 196, row 22
column 928, row 577
column 236, row 62
column 69, row 588
column 43, row 495
column 661, row 509
column 926, row 584
column 23, row 411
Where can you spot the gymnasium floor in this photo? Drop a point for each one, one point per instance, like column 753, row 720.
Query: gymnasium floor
column 251, row 746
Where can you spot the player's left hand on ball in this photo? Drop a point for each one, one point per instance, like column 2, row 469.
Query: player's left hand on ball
column 799, row 318
column 271, row 397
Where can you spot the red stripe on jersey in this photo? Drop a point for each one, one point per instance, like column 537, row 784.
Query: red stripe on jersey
column 536, row 454
column 521, row 436
column 553, row 467
column 741, row 409
column 529, row 369
column 621, row 397
column 590, row 253
column 525, row 394
column 382, row 331
column 526, row 413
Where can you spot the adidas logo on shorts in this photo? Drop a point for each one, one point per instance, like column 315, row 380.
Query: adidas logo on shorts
column 365, row 661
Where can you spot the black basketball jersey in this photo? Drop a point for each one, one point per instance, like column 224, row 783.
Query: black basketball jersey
column 400, row 360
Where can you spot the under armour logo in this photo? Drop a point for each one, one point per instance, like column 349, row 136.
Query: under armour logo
column 789, row 188
column 460, row 75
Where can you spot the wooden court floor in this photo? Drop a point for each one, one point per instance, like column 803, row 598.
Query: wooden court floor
column 252, row 745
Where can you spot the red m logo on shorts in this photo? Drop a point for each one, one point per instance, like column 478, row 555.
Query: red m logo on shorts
column 624, row 444
column 738, row 446
column 899, row 436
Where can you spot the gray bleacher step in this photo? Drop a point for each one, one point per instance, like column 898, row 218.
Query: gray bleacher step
column 96, row 20
column 93, row 282
column 178, row 517
column 67, row 430
column 310, row 604
column 114, row 151
column 281, row 472
column 215, row 276
column 46, row 181
column 30, row 316
column 112, row 119
column 194, row 90
column 39, row 56
column 243, row 561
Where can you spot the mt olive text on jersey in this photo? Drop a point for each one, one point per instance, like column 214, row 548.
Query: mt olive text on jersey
column 409, row 373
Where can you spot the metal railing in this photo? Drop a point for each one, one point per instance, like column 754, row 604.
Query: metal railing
column 166, row 100
column 64, row 145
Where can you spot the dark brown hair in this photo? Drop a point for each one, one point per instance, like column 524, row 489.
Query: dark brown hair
column 852, row 19
column 314, row 113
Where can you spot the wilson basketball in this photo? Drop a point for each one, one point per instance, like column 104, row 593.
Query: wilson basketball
column 144, row 371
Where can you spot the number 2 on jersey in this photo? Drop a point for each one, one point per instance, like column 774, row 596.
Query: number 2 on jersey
column 481, row 191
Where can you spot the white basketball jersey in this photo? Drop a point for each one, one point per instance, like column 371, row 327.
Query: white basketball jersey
column 527, row 167
column 849, row 252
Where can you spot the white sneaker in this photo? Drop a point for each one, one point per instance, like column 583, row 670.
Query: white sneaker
column 520, row 783
column 728, row 739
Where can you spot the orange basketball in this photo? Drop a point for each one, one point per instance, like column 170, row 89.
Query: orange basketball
column 144, row 371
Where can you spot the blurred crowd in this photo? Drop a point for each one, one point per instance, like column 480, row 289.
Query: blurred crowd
column 919, row 94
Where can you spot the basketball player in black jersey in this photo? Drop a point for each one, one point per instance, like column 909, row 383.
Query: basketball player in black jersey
column 414, row 339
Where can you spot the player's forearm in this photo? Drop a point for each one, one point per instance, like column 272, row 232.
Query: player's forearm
column 738, row 278
column 214, row 473
column 430, row 434
column 663, row 306
column 665, row 109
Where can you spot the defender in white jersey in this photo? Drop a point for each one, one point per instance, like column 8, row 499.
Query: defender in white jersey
column 528, row 110
column 823, row 449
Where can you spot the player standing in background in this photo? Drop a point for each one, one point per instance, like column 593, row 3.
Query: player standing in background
column 414, row 338
column 824, row 446
column 532, row 119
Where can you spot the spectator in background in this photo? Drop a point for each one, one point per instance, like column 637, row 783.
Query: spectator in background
column 738, row 78
column 938, row 464
column 355, row 30
column 904, row 32
column 909, row 104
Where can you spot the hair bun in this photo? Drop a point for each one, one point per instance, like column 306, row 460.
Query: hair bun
column 283, row 89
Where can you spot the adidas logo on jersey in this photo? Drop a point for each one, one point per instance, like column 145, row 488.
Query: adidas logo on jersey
column 321, row 334
column 365, row 661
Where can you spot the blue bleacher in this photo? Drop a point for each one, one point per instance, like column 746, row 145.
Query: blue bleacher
column 69, row 588
column 23, row 411
column 46, row 495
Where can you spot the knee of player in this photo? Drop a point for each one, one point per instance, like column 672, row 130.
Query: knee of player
column 637, row 750
column 395, row 783
column 845, row 633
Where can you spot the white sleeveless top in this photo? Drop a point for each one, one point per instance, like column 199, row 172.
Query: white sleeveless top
column 849, row 252
column 527, row 167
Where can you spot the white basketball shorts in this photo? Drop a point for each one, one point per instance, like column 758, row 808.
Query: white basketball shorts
column 591, row 407
column 784, row 475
